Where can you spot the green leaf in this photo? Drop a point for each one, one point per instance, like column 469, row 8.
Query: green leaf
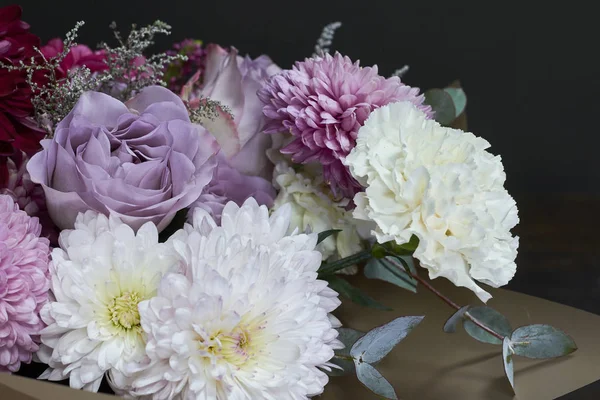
column 342, row 357
column 325, row 234
column 450, row 325
column 356, row 295
column 345, row 363
column 442, row 104
column 507, row 359
column 379, row 250
column 492, row 319
column 459, row 98
column 406, row 262
column 405, row 249
column 385, row 270
column 378, row 342
column 332, row 267
column 541, row 341
column 374, row 381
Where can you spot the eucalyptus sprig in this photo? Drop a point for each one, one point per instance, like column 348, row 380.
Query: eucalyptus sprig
column 393, row 263
column 363, row 351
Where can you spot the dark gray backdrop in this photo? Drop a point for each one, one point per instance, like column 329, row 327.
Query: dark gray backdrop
column 530, row 93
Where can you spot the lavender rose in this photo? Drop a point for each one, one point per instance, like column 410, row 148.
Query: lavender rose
column 141, row 161
column 243, row 167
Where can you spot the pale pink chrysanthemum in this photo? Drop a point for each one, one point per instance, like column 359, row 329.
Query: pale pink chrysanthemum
column 24, row 284
column 323, row 101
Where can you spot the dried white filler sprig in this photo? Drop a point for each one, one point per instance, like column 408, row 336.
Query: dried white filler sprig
column 326, row 39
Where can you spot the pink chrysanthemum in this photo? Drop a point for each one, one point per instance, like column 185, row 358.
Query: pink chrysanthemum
column 24, row 284
column 323, row 101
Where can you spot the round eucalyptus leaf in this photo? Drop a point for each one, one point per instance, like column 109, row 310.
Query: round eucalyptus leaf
column 542, row 341
column 442, row 104
column 459, row 98
column 507, row 359
column 492, row 319
column 374, row 381
column 378, row 342
column 450, row 325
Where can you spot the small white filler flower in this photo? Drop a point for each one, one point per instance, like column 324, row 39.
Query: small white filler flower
column 248, row 320
column 101, row 273
column 441, row 185
column 314, row 207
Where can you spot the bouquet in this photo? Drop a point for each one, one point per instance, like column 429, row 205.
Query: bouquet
column 180, row 224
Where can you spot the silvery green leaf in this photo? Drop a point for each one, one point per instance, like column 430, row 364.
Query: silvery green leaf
column 442, row 104
column 542, row 341
column 374, row 381
column 378, row 342
column 450, row 325
column 507, row 356
column 325, row 234
column 492, row 319
column 344, row 288
column 459, row 98
column 387, row 270
column 342, row 357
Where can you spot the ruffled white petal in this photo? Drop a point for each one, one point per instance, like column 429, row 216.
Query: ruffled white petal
column 101, row 265
column 441, row 185
column 246, row 319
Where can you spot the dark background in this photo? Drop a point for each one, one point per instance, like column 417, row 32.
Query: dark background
column 536, row 77
column 530, row 76
column 531, row 86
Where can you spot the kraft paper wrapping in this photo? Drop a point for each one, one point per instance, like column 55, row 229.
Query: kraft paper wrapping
column 431, row 364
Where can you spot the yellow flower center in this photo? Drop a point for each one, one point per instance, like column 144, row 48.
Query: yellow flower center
column 124, row 312
column 235, row 348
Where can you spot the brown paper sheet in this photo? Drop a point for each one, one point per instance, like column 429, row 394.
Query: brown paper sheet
column 430, row 364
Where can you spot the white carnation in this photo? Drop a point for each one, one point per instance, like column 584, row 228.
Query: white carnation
column 247, row 320
column 441, row 185
column 314, row 208
column 99, row 275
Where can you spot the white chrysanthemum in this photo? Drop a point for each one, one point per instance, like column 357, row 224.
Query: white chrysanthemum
column 99, row 275
column 441, row 185
column 314, row 208
column 249, row 319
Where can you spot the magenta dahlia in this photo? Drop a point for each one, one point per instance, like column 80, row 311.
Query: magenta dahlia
column 322, row 102
column 24, row 284
column 17, row 130
column 79, row 56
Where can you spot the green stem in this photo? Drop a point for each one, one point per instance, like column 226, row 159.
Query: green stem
column 344, row 357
